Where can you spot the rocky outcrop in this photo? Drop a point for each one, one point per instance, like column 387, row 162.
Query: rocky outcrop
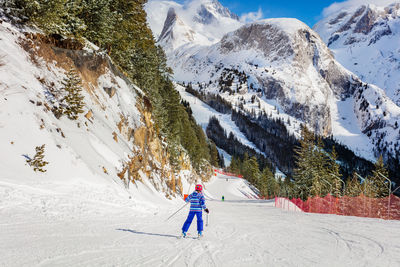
column 366, row 20
column 168, row 24
column 270, row 40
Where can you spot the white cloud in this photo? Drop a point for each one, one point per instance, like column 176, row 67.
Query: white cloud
column 251, row 16
column 335, row 7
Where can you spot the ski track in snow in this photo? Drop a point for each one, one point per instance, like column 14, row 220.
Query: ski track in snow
column 241, row 232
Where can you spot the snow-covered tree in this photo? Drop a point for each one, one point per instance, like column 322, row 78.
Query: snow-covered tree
column 72, row 103
column 37, row 162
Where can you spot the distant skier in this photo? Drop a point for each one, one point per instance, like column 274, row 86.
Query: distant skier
column 197, row 204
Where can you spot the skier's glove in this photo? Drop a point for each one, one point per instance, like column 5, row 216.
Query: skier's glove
column 206, row 210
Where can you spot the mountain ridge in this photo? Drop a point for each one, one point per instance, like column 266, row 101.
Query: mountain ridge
column 285, row 63
column 363, row 38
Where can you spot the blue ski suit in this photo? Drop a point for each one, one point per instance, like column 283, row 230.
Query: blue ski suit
column 197, row 204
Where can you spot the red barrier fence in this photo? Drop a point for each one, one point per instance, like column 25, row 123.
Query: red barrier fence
column 387, row 208
column 228, row 173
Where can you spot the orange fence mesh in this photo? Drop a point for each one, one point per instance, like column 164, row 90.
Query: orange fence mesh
column 385, row 208
column 228, row 173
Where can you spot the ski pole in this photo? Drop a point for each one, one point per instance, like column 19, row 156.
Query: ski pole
column 176, row 212
column 207, row 220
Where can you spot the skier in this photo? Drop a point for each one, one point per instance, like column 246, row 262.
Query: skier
column 197, row 204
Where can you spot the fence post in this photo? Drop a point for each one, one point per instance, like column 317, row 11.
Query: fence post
column 390, row 187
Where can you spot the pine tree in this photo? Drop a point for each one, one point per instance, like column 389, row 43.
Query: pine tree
column 286, row 188
column 251, row 170
column 268, row 185
column 304, row 172
column 214, row 154
column 38, row 162
column 44, row 13
column 243, row 161
column 379, row 185
column 235, row 165
column 222, row 161
column 73, row 25
column 97, row 18
column 72, row 103
column 353, row 186
column 317, row 172
column 318, row 158
column 368, row 188
column 334, row 171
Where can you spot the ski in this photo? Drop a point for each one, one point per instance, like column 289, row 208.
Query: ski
column 188, row 236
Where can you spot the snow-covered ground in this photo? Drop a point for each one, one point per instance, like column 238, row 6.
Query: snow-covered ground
column 43, row 227
column 347, row 130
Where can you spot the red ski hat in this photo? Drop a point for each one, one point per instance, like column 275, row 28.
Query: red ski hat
column 199, row 187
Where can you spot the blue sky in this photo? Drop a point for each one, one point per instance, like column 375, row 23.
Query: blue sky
column 308, row 11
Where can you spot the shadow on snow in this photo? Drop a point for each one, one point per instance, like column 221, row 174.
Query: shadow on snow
column 152, row 234
column 144, row 233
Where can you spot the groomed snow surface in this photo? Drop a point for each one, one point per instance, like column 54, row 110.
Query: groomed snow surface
column 86, row 224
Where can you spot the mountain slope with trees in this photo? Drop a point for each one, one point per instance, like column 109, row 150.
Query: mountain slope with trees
column 116, row 29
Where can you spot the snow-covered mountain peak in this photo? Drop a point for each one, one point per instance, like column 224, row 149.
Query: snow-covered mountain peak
column 284, row 40
column 288, row 25
column 370, row 22
column 210, row 11
column 206, row 21
column 365, row 39
column 176, row 33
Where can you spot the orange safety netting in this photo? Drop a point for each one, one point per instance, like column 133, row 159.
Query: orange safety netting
column 385, row 208
column 228, row 173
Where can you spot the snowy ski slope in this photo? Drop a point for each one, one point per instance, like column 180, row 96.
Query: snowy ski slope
column 241, row 232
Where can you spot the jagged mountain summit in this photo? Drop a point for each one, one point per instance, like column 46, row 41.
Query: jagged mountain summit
column 365, row 39
column 282, row 69
column 176, row 33
column 197, row 22
column 210, row 11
